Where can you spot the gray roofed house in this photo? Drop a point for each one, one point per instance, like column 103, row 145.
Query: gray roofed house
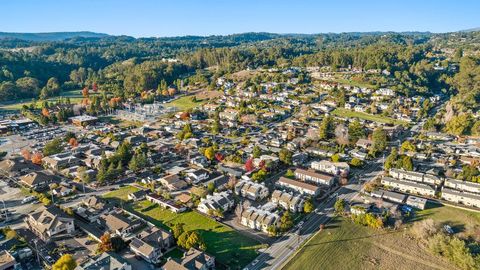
column 105, row 261
column 193, row 259
column 151, row 244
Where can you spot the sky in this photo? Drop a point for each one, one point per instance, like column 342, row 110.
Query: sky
column 150, row 18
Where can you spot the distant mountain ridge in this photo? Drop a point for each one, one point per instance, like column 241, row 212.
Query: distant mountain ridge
column 51, row 36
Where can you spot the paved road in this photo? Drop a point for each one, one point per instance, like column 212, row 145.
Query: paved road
column 279, row 252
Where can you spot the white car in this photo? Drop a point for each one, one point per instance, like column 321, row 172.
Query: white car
column 28, row 199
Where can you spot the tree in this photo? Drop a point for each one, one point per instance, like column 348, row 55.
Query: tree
column 210, row 153
column 355, row 162
column 286, row 221
column 339, row 206
column 355, row 131
column 285, row 156
column 336, row 157
column 390, row 161
column 11, row 234
column 105, row 244
column 407, row 146
column 177, row 230
column 308, row 206
column 289, row 174
column 66, row 262
column 459, row 125
column 53, row 147
column 260, row 175
column 73, row 142
column 407, row 163
column 326, row 128
column 256, row 151
column 379, row 140
column 37, row 158
column 249, row 165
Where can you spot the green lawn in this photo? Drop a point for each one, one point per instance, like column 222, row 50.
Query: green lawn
column 345, row 245
column 228, row 246
column 455, row 217
column 74, row 95
column 185, row 103
column 355, row 83
column 376, row 118
column 121, row 193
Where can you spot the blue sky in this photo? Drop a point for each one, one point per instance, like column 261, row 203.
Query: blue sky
column 147, row 18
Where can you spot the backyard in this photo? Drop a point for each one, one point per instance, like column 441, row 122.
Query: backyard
column 228, row 246
column 121, row 193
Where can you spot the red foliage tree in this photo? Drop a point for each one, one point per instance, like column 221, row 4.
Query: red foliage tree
column 249, row 165
column 185, row 116
column 94, row 87
column 219, row 157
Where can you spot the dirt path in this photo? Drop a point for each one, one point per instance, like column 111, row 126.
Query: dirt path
column 408, row 257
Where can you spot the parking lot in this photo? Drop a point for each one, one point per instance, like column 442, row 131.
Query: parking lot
column 11, row 199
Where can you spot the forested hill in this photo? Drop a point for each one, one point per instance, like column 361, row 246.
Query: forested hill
column 52, row 36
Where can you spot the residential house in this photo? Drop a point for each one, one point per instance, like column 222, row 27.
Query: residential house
column 119, row 223
column 50, row 221
column 151, row 244
column 408, row 186
column 222, row 201
column 258, row 219
column 364, row 143
column 197, row 176
column 416, row 202
column 137, row 195
column 251, row 190
column 315, row 177
column 288, row 201
column 61, row 161
column 173, row 182
column 462, row 185
column 193, row 259
column 465, row 198
column 38, row 180
column 167, row 204
column 335, row 168
column 302, row 187
column 105, row 261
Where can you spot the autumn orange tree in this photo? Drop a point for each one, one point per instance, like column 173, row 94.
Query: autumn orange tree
column 105, row 244
column 45, row 112
column 37, row 158
column 73, row 142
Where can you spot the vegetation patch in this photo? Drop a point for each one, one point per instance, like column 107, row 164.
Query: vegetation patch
column 227, row 245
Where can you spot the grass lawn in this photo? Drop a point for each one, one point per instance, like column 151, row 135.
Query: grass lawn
column 455, row 217
column 185, row 103
column 376, row 118
column 345, row 245
column 74, row 95
column 355, row 83
column 120, row 122
column 228, row 246
column 121, row 193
